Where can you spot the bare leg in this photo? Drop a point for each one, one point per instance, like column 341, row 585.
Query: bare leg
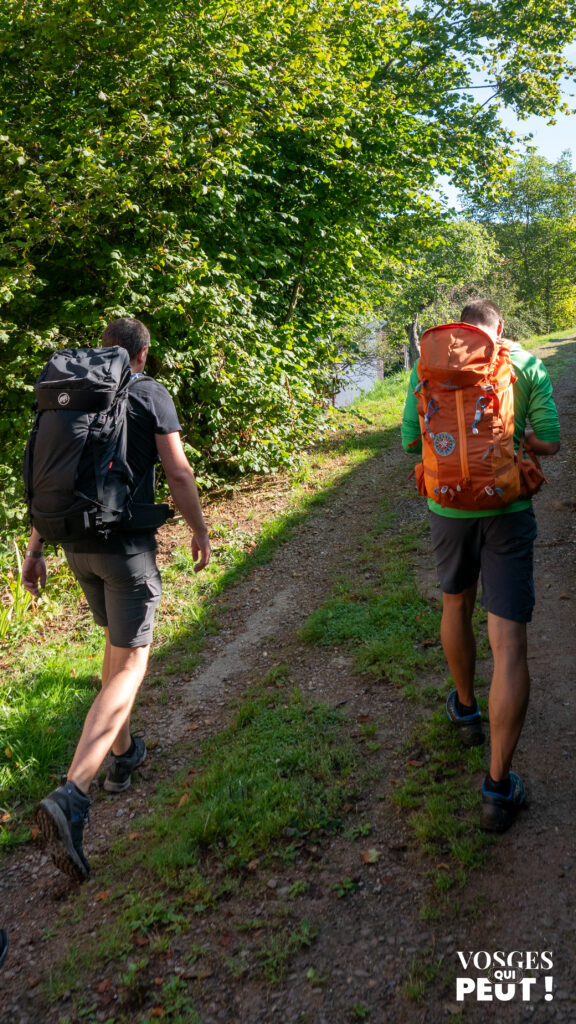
column 509, row 693
column 108, row 721
column 459, row 642
column 123, row 738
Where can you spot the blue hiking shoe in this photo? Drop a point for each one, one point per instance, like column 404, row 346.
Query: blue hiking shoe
column 498, row 812
column 469, row 726
column 119, row 775
column 61, row 817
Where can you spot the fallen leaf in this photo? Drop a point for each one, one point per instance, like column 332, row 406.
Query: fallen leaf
column 158, row 981
column 371, row 856
column 157, row 1011
column 134, row 835
column 34, row 831
column 192, row 728
column 102, row 895
column 416, row 764
column 183, row 799
column 140, row 940
column 104, row 985
column 198, row 972
column 442, row 866
column 225, row 940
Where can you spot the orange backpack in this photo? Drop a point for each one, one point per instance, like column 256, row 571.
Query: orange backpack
column 465, row 403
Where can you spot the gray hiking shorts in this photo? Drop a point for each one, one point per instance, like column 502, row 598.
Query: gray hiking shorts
column 122, row 591
column 498, row 549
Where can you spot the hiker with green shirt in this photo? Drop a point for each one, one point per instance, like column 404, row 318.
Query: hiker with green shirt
column 486, row 542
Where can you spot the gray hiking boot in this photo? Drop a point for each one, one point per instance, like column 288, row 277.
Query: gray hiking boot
column 119, row 775
column 61, row 817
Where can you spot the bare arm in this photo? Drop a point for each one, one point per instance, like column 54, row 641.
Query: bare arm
column 34, row 566
column 185, row 494
column 534, row 444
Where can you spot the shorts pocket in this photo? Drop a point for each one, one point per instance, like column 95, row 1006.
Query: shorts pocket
column 154, row 586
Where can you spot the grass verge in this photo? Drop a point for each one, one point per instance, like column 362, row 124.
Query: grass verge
column 263, row 792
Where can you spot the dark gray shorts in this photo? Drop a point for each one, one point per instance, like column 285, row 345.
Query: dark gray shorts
column 498, row 549
column 122, row 591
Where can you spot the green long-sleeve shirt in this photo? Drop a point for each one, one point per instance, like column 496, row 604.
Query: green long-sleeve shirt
column 533, row 403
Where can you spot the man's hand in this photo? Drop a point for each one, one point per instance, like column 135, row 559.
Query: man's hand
column 34, row 573
column 200, row 550
column 534, row 444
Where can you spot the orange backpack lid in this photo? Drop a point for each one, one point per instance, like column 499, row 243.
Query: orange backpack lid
column 457, row 354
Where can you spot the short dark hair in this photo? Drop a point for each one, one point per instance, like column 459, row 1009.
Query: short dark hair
column 128, row 333
column 481, row 313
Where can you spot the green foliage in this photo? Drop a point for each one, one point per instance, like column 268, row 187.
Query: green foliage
column 16, row 601
column 534, row 225
column 452, row 263
column 241, row 176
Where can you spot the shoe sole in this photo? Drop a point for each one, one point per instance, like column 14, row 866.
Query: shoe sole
column 497, row 818
column 470, row 737
column 53, row 824
column 117, row 787
column 121, row 787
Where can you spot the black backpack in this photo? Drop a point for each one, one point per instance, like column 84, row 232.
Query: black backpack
column 78, row 482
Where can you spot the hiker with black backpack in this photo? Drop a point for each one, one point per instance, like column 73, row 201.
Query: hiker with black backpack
column 470, row 398
column 100, row 429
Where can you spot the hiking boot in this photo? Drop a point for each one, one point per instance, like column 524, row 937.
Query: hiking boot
column 498, row 812
column 3, row 945
column 469, row 726
column 119, row 774
column 61, row 817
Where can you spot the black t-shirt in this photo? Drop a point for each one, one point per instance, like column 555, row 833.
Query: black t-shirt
column 150, row 411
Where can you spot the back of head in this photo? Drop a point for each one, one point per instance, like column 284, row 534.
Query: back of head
column 128, row 333
column 482, row 313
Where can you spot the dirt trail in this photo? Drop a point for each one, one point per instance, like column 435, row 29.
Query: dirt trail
column 523, row 901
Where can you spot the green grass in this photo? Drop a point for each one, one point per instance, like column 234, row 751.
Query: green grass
column 282, row 771
column 282, row 764
column 423, row 971
column 275, row 956
column 559, row 358
column 440, row 794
